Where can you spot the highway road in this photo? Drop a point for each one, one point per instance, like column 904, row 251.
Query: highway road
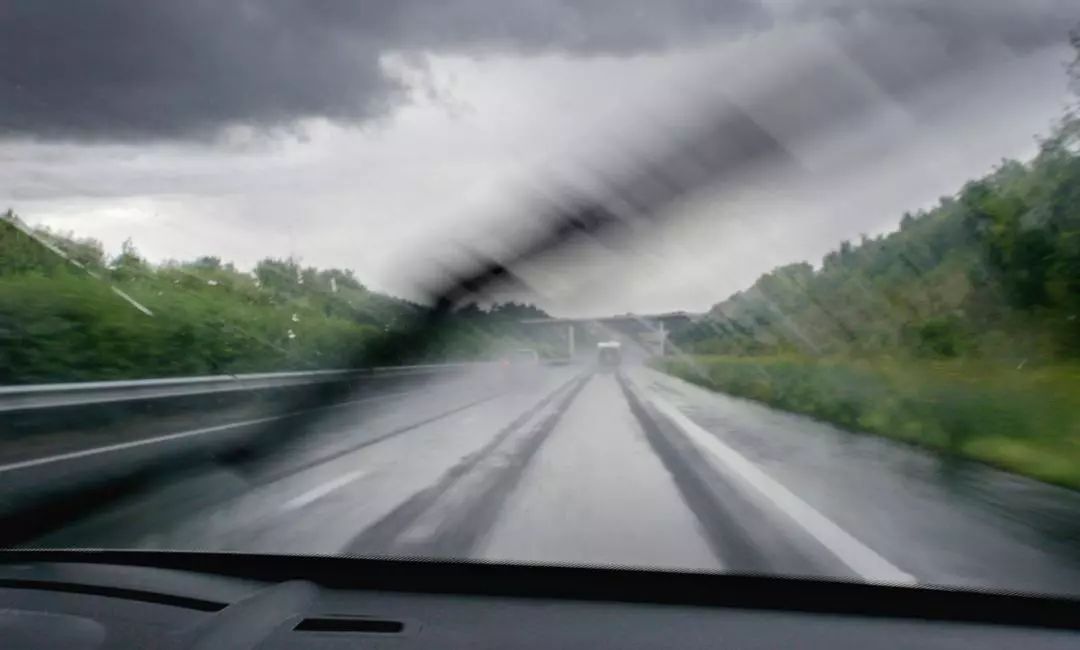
column 572, row 466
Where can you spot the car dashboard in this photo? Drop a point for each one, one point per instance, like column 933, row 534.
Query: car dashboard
column 162, row 600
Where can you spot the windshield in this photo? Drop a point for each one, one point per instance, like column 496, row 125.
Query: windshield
column 783, row 288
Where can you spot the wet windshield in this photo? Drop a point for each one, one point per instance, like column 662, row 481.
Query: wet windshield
column 788, row 288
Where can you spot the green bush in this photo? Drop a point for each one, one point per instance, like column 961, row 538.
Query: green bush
column 60, row 323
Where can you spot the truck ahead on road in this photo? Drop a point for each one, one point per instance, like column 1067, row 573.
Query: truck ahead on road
column 608, row 354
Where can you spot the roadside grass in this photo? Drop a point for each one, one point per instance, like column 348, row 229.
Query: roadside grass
column 1021, row 419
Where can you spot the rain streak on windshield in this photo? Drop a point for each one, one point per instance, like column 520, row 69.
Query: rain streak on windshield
column 773, row 288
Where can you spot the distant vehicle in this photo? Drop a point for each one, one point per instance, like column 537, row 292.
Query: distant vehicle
column 609, row 354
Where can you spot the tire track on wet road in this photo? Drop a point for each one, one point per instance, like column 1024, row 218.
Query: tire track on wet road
column 449, row 518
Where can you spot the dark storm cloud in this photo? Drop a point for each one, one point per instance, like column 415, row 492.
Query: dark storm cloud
column 1024, row 26
column 919, row 56
column 135, row 69
column 129, row 69
column 904, row 43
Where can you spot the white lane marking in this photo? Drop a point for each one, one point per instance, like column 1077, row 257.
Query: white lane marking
column 857, row 556
column 322, row 490
column 181, row 434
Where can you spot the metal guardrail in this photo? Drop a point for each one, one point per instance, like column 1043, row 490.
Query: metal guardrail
column 32, row 488
column 46, row 396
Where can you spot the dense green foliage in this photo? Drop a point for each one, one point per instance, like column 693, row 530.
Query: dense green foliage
column 993, row 272
column 60, row 319
column 960, row 331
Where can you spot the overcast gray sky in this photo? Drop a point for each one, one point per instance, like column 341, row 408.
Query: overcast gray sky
column 379, row 136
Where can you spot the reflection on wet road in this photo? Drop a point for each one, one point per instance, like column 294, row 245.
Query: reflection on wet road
column 562, row 467
column 596, row 494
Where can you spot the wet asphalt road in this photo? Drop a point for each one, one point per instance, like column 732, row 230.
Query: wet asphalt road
column 569, row 466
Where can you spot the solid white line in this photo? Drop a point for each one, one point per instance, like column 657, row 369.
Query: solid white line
column 180, row 434
column 849, row 550
column 322, row 490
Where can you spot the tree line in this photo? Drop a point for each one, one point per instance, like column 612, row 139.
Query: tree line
column 958, row 332
column 63, row 318
column 993, row 272
column 990, row 272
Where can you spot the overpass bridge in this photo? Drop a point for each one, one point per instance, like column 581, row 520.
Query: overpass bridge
column 648, row 333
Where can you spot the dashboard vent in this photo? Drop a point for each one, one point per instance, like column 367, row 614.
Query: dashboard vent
column 350, row 624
